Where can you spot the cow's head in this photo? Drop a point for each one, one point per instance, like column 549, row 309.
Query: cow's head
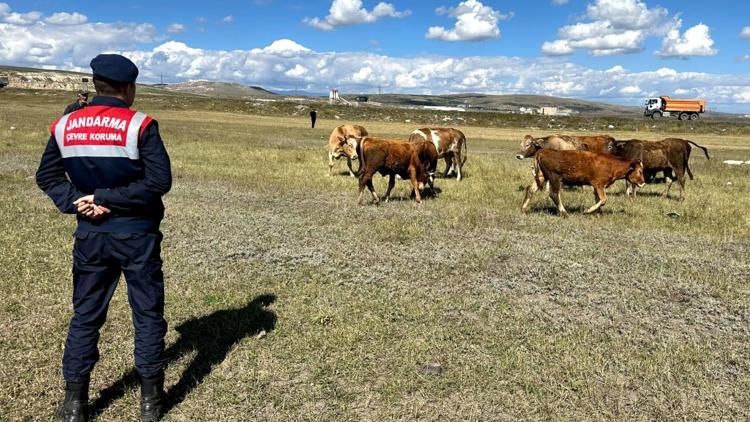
column 347, row 146
column 635, row 173
column 529, row 147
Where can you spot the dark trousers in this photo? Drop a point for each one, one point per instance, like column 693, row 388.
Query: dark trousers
column 98, row 260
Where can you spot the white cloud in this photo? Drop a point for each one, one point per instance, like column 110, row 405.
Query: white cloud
column 744, row 58
column 696, row 41
column 298, row 71
column 285, row 63
column 631, row 90
column 612, row 27
column 22, row 18
column 66, row 40
column 557, row 48
column 474, row 22
column 64, row 18
column 745, row 33
column 352, row 12
column 176, row 28
column 227, row 19
column 559, row 2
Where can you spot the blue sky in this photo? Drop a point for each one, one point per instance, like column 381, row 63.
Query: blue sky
column 709, row 59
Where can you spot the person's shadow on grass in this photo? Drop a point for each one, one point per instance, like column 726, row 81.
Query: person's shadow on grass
column 211, row 337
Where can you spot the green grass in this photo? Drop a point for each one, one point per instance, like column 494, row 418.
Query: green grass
column 631, row 315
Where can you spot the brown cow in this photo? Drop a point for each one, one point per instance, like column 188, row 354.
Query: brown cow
column 343, row 141
column 450, row 144
column 598, row 143
column 428, row 156
column 581, row 168
column 670, row 156
column 390, row 158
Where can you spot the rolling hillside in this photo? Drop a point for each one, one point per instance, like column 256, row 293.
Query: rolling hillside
column 218, row 89
column 506, row 103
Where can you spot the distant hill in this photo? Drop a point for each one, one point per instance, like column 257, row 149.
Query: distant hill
column 506, row 103
column 218, row 89
column 30, row 78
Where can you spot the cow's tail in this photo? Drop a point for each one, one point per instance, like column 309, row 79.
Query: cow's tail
column 361, row 153
column 705, row 150
column 464, row 149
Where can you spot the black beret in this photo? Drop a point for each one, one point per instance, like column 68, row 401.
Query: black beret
column 114, row 67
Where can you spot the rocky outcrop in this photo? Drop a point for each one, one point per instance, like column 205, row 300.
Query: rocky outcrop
column 47, row 80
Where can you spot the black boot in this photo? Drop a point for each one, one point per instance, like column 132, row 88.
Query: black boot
column 75, row 408
column 152, row 398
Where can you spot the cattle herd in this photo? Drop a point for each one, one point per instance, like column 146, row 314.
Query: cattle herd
column 596, row 161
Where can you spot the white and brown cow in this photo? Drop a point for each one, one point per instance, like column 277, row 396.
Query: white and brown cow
column 450, row 144
column 344, row 141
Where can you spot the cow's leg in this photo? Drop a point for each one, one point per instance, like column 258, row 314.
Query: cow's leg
column 330, row 163
column 349, row 164
column 448, row 164
column 415, row 185
column 372, row 191
column 458, row 163
column 530, row 191
column 681, row 181
column 365, row 179
column 601, row 198
column 391, row 184
column 362, row 184
column 668, row 180
column 533, row 188
column 555, row 186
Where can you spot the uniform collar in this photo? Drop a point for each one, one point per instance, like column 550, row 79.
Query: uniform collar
column 102, row 100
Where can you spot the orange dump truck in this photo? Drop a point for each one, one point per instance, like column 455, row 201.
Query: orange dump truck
column 673, row 107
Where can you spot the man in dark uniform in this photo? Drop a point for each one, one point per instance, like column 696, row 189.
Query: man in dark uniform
column 80, row 103
column 313, row 117
column 107, row 164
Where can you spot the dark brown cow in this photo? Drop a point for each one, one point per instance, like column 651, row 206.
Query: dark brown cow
column 670, row 156
column 428, row 156
column 343, row 141
column 598, row 143
column 450, row 144
column 390, row 158
column 580, row 168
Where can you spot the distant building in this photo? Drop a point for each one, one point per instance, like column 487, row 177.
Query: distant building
column 555, row 111
column 443, row 108
column 548, row 111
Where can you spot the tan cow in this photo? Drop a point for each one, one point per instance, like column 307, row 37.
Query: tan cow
column 450, row 144
column 602, row 144
column 344, row 141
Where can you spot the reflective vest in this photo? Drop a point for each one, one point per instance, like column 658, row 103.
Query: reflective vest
column 100, row 131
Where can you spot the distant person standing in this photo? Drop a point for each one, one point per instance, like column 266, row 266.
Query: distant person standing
column 313, row 117
column 81, row 102
column 107, row 164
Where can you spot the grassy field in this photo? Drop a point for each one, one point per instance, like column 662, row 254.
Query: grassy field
column 286, row 301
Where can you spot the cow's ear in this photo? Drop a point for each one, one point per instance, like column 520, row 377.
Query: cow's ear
column 634, row 163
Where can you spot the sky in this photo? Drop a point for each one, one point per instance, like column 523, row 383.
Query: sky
column 619, row 51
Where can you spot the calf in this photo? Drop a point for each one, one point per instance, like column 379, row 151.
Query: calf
column 343, row 141
column 580, row 168
column 599, row 143
column 450, row 145
column 390, row 158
